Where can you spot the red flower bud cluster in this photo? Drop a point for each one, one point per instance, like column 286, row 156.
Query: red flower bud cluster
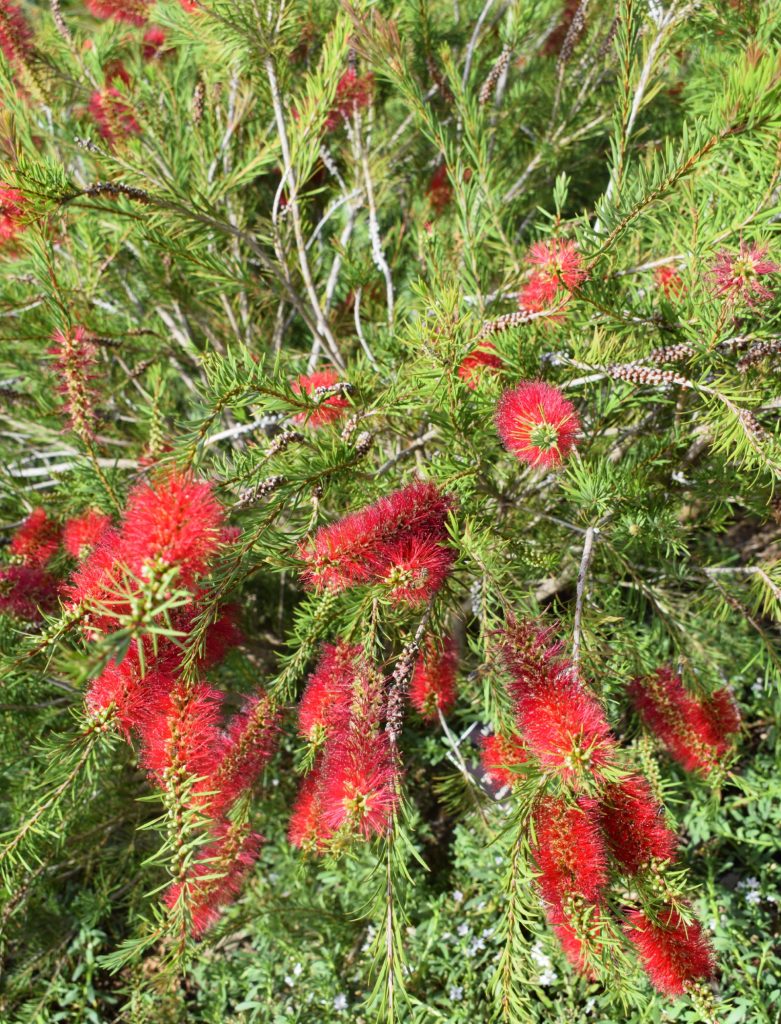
column 170, row 533
column 352, row 790
column 433, row 685
column 110, row 109
column 669, row 280
column 329, row 407
column 12, row 211
column 134, row 12
column 695, row 731
column 399, row 543
column 478, row 362
column 558, row 266
column 82, row 533
column 15, row 34
column 354, row 92
column 603, row 822
column 537, row 423
column 27, row 587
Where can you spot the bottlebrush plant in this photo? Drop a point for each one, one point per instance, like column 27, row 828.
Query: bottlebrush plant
column 390, row 582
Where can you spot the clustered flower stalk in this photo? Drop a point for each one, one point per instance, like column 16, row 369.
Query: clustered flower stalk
column 596, row 826
column 145, row 576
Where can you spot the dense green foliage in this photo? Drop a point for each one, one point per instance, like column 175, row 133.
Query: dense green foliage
column 244, row 236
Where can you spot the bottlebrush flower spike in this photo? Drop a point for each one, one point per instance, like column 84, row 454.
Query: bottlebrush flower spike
column 325, row 703
column 500, row 755
column 12, row 211
column 695, row 731
column 134, row 12
column 565, row 728
column 218, row 875
column 570, row 853
column 738, row 276
column 329, row 408
column 537, row 424
column 433, row 685
column 307, row 830
column 355, row 549
column 136, row 698
column 669, row 280
column 175, row 521
column 82, row 533
column 673, row 953
column 538, row 294
column 477, row 363
column 440, row 190
column 180, row 731
column 110, row 109
column 248, row 746
column 413, row 569
column 154, row 43
column 360, row 785
column 353, row 93
column 74, row 361
column 15, row 35
column 36, row 541
column 558, row 262
column 634, row 826
column 26, row 591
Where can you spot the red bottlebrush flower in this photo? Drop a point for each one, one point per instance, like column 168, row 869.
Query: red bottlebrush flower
column 154, row 43
column 96, row 577
column 500, row 755
column 248, row 746
column 329, row 408
column 36, row 541
column 26, row 591
column 355, row 549
column 694, row 731
column 440, row 190
column 82, row 533
column 565, row 728
column 359, row 788
column 669, row 280
column 176, row 521
column 189, row 5
column 538, row 294
column 325, row 703
column 634, row 826
column 673, row 953
column 559, row 262
column 570, row 853
column 110, row 109
column 353, row 93
column 307, row 830
column 561, row 722
column 217, row 876
column 15, row 33
column 433, row 685
column 479, row 361
column 74, row 356
column 537, row 423
column 12, row 211
column 136, row 698
column 737, row 276
column 180, row 730
column 134, row 12
column 414, row 569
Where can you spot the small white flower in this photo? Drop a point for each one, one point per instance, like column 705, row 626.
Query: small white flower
column 538, row 956
column 547, row 978
column 340, row 1002
column 455, row 993
column 290, row 982
column 753, row 896
column 458, row 896
column 498, row 860
column 464, row 929
column 487, row 933
column 591, row 1002
column 297, row 970
column 446, row 936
